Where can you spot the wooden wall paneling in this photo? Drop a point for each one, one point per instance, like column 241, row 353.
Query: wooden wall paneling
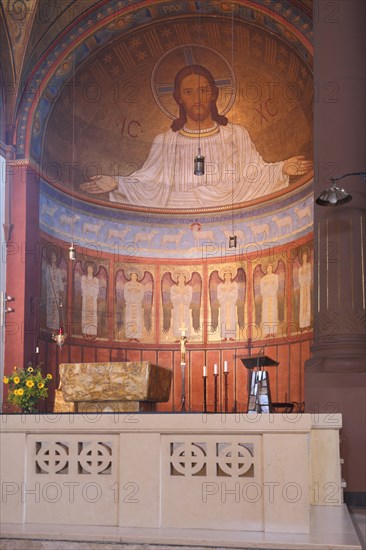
column 196, row 363
column 295, row 367
column 274, row 372
column 229, row 356
column 286, row 380
column 133, row 354
column 76, row 354
column 241, row 383
column 283, row 373
column 52, row 358
column 103, row 355
column 118, row 355
column 89, row 354
column 177, row 375
column 149, row 355
column 165, row 359
column 42, row 356
column 212, row 357
column 305, row 355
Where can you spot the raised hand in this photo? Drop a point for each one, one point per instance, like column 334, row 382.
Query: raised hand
column 297, row 166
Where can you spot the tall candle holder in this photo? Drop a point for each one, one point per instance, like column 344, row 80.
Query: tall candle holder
column 183, row 390
column 183, row 351
column 226, row 385
column 216, row 375
column 204, row 389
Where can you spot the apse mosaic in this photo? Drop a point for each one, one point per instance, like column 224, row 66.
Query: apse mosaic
column 141, row 37
column 115, row 132
column 116, row 128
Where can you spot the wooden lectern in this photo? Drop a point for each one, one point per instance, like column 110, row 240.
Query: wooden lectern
column 259, row 394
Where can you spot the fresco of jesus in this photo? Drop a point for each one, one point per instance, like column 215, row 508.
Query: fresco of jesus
column 234, row 170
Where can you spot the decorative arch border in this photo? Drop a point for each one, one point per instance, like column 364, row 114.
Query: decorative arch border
column 92, row 31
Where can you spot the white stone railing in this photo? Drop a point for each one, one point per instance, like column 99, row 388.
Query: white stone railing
column 235, row 472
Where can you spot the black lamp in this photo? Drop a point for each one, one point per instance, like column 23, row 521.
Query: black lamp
column 72, row 252
column 334, row 195
column 199, row 164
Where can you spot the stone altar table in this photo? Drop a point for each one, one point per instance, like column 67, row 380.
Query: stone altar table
column 114, row 387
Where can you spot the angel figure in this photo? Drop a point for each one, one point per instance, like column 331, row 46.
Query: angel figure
column 90, row 287
column 302, row 286
column 269, row 295
column 54, row 279
column 89, row 307
column 134, row 299
column 181, row 296
column 227, row 295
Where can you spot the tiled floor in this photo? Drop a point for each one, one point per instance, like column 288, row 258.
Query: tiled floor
column 331, row 529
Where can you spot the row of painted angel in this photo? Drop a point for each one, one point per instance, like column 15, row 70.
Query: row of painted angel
column 181, row 293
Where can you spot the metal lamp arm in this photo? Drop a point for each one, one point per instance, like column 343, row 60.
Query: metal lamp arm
column 345, row 175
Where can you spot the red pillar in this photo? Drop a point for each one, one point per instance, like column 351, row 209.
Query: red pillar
column 23, row 257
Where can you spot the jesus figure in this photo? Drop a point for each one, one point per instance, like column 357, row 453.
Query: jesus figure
column 234, row 170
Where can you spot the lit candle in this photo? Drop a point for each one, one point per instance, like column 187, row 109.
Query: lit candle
column 204, row 371
column 216, row 371
column 226, row 368
column 183, row 331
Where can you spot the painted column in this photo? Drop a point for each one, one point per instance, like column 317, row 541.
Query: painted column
column 335, row 375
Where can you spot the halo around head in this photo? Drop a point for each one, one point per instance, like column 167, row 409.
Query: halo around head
column 167, row 66
column 91, row 264
column 177, row 272
column 227, row 269
column 134, row 269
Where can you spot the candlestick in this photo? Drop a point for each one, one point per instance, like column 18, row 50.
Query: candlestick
column 226, row 385
column 183, row 390
column 204, row 393
column 215, row 387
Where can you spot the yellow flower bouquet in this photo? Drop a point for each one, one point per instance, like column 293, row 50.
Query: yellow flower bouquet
column 27, row 387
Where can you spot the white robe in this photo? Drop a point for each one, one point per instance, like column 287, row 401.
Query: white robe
column 89, row 307
column 305, row 289
column 227, row 295
column 134, row 295
column 269, row 289
column 181, row 297
column 234, row 172
column 54, row 287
